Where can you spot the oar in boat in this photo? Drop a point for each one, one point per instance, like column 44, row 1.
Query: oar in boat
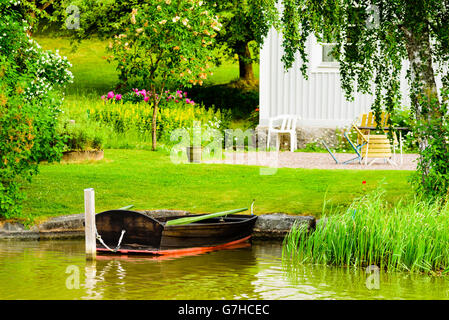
column 127, row 207
column 188, row 220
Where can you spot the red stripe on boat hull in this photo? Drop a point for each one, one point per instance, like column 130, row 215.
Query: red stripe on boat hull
column 176, row 252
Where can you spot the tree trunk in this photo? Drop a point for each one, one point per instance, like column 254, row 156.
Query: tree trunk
column 153, row 122
column 423, row 85
column 245, row 63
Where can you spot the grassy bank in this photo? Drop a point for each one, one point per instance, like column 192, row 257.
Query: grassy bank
column 407, row 236
column 149, row 180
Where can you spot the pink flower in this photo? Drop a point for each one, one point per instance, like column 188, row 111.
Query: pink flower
column 110, row 94
column 177, row 101
column 187, row 100
column 102, row 97
column 185, row 94
column 118, row 97
column 146, row 99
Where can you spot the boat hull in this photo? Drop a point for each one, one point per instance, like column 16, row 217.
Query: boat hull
column 144, row 234
column 210, row 232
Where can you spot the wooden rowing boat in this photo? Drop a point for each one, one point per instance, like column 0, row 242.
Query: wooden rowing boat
column 125, row 231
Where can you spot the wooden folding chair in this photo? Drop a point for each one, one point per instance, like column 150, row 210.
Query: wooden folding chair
column 377, row 147
column 368, row 120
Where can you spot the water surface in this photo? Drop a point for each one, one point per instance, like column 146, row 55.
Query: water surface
column 58, row 270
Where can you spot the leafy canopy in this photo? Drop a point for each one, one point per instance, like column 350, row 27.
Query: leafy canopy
column 167, row 43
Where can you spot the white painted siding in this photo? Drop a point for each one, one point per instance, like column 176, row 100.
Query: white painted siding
column 318, row 101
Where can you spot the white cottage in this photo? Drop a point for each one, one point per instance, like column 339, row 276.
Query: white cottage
column 319, row 101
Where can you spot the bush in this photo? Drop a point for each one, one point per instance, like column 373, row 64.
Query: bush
column 432, row 176
column 29, row 107
column 81, row 137
column 241, row 102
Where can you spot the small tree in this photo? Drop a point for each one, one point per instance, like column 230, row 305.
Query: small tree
column 167, row 43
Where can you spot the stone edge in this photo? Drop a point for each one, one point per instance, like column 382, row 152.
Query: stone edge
column 273, row 226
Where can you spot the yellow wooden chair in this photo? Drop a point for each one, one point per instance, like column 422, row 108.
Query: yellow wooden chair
column 368, row 120
column 379, row 146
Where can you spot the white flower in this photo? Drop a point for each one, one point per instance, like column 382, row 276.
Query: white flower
column 175, row 19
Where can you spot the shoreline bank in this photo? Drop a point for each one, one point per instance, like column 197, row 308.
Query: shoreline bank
column 273, row 226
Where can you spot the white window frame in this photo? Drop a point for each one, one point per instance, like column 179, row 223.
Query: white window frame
column 318, row 65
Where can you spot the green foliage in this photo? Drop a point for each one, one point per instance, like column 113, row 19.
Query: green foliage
column 29, row 106
column 80, row 137
column 434, row 134
column 124, row 117
column 166, row 43
column 408, row 236
column 224, row 97
column 254, row 118
column 245, row 24
column 404, row 118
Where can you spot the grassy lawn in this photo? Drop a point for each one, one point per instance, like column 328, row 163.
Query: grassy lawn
column 93, row 74
column 150, row 181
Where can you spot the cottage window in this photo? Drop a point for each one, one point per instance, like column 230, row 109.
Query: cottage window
column 326, row 53
column 322, row 58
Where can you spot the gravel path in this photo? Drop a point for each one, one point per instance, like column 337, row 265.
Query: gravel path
column 312, row 161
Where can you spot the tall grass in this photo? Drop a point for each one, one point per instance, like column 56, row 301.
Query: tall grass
column 408, row 236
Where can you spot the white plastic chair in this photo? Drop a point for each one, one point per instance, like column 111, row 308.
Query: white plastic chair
column 288, row 125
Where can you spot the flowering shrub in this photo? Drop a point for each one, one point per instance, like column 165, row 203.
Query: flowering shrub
column 29, row 106
column 51, row 71
column 168, row 99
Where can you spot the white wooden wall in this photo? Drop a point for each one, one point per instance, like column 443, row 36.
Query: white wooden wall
column 318, row 101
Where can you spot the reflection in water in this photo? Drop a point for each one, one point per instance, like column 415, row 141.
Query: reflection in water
column 92, row 290
column 217, row 275
column 353, row 283
column 37, row 270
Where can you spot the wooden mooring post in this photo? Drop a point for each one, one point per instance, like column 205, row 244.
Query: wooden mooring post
column 89, row 223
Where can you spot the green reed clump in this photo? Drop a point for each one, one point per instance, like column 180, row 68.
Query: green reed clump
column 409, row 236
